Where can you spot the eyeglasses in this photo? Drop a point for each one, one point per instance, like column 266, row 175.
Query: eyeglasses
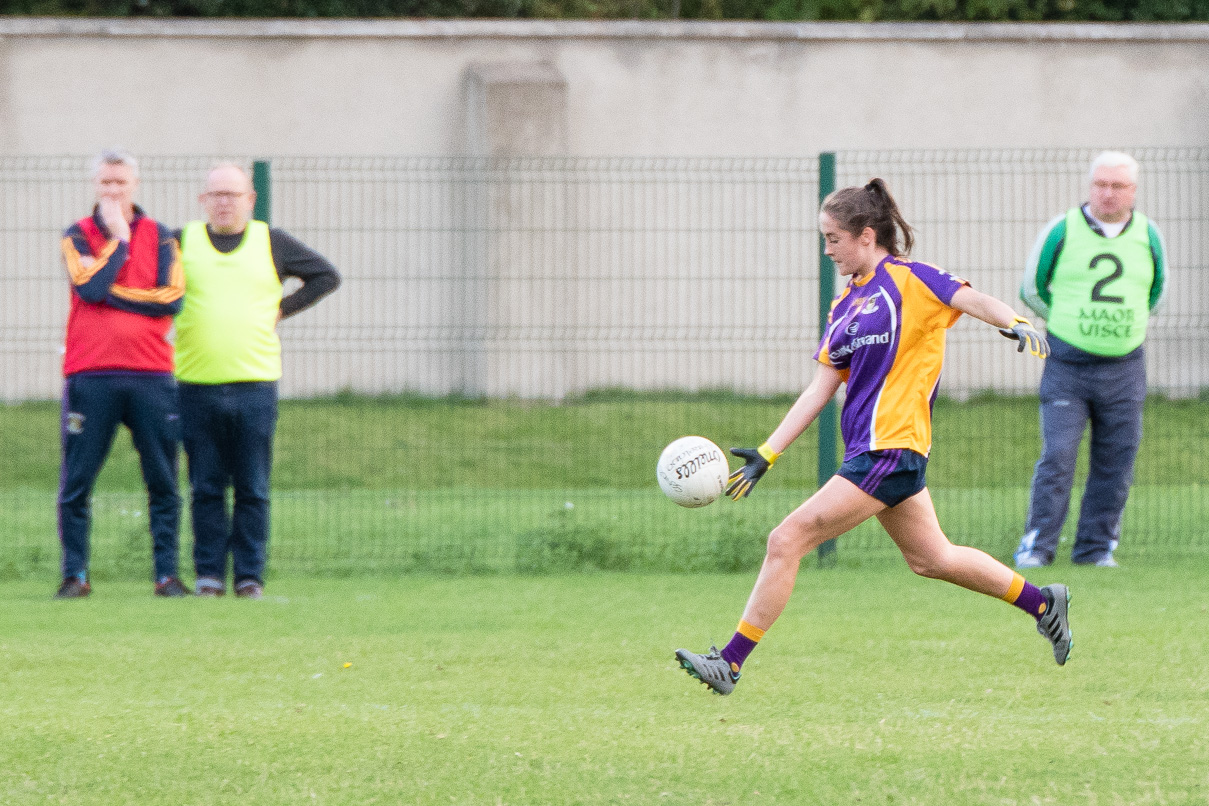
column 1116, row 187
column 224, row 195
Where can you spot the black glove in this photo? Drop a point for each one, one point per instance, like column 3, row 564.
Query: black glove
column 757, row 461
column 1026, row 334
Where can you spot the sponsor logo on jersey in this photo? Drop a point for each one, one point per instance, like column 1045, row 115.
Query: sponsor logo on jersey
column 857, row 343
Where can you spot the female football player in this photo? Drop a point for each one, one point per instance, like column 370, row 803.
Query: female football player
column 885, row 338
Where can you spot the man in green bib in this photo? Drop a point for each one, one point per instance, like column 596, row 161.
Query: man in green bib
column 1095, row 275
column 228, row 363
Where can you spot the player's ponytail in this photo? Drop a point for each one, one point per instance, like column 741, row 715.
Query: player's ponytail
column 855, row 208
column 890, row 220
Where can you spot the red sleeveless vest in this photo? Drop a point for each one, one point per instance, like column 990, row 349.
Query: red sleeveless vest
column 101, row 337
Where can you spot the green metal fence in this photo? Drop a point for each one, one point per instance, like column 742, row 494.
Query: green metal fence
column 516, row 340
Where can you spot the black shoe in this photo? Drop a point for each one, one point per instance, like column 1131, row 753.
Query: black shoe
column 249, row 589
column 171, row 587
column 209, row 587
column 73, row 588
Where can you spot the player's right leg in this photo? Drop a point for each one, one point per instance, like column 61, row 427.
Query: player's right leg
column 836, row 508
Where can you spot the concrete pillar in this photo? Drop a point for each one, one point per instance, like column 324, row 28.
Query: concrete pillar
column 518, row 282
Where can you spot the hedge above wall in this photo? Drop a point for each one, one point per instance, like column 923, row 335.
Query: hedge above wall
column 778, row 10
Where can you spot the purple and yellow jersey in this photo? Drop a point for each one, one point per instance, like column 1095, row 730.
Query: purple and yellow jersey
column 886, row 336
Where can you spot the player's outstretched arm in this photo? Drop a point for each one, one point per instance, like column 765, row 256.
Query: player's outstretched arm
column 1000, row 314
column 805, row 409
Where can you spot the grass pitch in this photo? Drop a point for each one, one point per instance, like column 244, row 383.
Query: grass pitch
column 542, row 687
column 876, row 687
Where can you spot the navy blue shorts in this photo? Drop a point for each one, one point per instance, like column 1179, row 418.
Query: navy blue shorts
column 890, row 476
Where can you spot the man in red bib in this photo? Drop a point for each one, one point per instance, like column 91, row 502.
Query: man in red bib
column 126, row 285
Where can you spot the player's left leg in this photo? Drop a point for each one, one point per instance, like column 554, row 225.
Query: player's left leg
column 914, row 528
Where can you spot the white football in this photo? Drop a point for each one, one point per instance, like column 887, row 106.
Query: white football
column 692, row 471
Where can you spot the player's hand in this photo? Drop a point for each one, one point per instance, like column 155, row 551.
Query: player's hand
column 757, row 461
column 1024, row 332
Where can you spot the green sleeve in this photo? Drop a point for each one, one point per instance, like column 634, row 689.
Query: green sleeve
column 1159, row 252
column 1035, row 290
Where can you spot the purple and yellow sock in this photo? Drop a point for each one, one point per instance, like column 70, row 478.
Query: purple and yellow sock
column 1025, row 595
column 744, row 641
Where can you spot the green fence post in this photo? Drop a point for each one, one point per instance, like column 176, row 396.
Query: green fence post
column 828, row 462
column 262, row 184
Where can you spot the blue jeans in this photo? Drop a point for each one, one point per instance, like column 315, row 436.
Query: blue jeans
column 1110, row 396
column 228, row 435
column 94, row 405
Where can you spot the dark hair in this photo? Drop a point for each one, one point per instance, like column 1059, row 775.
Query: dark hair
column 871, row 206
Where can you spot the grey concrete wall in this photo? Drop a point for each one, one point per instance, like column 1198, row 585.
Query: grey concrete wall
column 675, row 88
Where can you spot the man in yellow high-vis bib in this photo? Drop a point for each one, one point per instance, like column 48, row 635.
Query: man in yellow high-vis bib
column 228, row 363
